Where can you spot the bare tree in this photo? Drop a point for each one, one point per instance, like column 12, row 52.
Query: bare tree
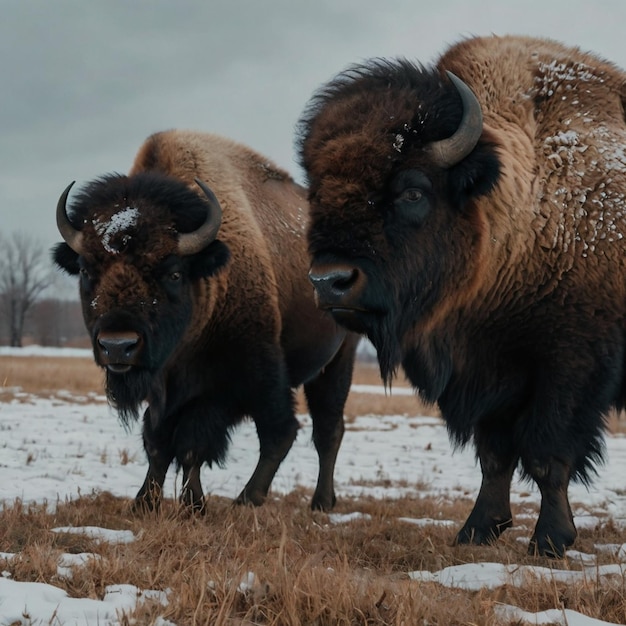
column 25, row 271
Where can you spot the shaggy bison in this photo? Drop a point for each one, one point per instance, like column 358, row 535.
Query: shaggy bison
column 193, row 282
column 469, row 218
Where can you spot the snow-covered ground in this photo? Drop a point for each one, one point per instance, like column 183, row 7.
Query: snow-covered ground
column 58, row 449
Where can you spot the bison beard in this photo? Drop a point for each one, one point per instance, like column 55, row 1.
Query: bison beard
column 383, row 338
column 126, row 392
column 475, row 230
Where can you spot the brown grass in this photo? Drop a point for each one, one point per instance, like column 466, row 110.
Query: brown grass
column 305, row 569
column 46, row 376
column 301, row 569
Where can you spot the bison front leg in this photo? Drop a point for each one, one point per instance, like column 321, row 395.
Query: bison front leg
column 160, row 452
column 555, row 530
column 327, row 437
column 274, row 447
column 326, row 397
column 200, row 436
column 149, row 496
column 491, row 514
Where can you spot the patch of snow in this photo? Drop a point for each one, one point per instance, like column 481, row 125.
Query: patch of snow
column 427, row 521
column 248, row 582
column 476, row 576
column 555, row 75
column 100, row 535
column 118, row 223
column 67, row 562
column 35, row 350
column 398, row 142
column 40, row 603
column 560, row 617
column 346, row 518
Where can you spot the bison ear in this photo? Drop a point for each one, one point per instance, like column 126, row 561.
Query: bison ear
column 476, row 175
column 209, row 261
column 65, row 258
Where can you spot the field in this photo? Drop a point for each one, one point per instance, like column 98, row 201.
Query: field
column 283, row 564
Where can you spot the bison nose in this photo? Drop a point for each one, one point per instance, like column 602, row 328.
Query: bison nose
column 337, row 286
column 118, row 350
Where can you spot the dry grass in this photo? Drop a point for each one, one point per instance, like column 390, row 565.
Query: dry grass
column 300, row 568
column 46, row 376
column 305, row 570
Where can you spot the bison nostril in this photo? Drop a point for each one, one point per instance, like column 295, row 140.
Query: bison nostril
column 337, row 286
column 343, row 280
column 338, row 280
column 120, row 346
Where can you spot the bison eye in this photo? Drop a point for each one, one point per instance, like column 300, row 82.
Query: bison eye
column 411, row 205
column 175, row 276
column 411, row 195
column 85, row 274
column 86, row 280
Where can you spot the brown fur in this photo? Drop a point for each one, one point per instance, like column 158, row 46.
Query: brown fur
column 253, row 334
column 238, row 175
column 533, row 92
column 506, row 300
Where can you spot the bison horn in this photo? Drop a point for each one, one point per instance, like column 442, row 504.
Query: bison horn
column 72, row 237
column 450, row 151
column 191, row 243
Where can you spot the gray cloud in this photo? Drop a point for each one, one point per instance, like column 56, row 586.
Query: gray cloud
column 83, row 83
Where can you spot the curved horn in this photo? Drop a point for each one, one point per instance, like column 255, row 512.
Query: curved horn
column 450, row 151
column 191, row 243
column 72, row 237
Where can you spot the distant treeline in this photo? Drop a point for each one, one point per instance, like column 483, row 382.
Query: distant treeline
column 51, row 322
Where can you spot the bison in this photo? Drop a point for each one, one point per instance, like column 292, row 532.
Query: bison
column 194, row 289
column 469, row 218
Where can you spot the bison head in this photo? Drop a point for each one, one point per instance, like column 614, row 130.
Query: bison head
column 396, row 156
column 140, row 245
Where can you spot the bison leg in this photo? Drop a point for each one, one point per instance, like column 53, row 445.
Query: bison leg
column 160, row 454
column 149, row 496
column 200, row 436
column 555, row 530
column 192, row 495
column 326, row 396
column 272, row 409
column 491, row 514
column 273, row 449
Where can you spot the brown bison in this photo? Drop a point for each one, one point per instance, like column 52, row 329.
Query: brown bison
column 469, row 218
column 197, row 301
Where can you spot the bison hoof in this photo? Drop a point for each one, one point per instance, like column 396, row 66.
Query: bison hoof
column 189, row 510
column 142, row 505
column 192, row 506
column 252, row 497
column 323, row 503
column 552, row 548
column 474, row 535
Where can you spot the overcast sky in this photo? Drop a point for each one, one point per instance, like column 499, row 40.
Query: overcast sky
column 84, row 82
